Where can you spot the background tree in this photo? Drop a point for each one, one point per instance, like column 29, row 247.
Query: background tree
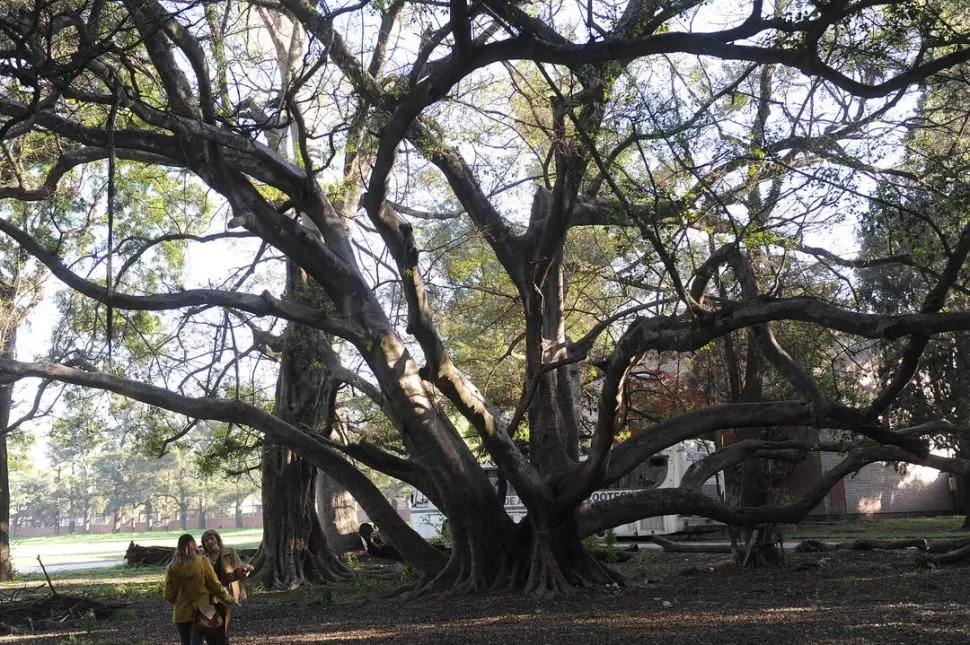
column 21, row 290
column 31, row 498
column 178, row 484
column 910, row 237
column 124, row 486
column 905, row 251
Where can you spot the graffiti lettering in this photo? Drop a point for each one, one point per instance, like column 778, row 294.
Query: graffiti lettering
column 603, row 495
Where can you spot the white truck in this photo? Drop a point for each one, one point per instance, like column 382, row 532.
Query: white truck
column 663, row 470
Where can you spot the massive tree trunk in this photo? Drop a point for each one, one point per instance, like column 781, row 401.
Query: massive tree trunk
column 295, row 548
column 543, row 554
column 747, row 486
column 338, row 514
column 746, row 483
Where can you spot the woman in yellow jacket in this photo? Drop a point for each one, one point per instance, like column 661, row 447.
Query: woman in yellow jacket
column 190, row 581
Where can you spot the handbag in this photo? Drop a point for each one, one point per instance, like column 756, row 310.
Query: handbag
column 206, row 619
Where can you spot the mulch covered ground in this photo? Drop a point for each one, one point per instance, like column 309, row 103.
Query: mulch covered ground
column 691, row 599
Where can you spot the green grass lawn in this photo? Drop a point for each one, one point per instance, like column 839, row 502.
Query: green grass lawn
column 118, row 581
column 76, row 548
column 68, row 549
column 939, row 527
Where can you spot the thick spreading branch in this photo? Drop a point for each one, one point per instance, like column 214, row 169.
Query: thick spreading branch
column 311, row 447
column 655, row 502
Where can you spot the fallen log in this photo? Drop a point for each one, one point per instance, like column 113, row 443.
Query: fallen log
column 683, row 547
column 886, row 545
column 945, row 546
column 949, row 557
column 815, row 546
column 865, row 544
column 152, row 555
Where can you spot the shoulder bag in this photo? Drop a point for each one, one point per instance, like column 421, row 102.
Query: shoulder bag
column 206, row 619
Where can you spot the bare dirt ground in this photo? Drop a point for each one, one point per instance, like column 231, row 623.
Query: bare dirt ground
column 690, row 599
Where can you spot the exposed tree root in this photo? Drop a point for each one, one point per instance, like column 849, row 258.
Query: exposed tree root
column 602, row 574
column 545, row 579
column 815, row 546
column 947, row 551
column 757, row 547
column 299, row 569
column 447, row 580
column 556, row 568
column 540, row 568
column 679, row 547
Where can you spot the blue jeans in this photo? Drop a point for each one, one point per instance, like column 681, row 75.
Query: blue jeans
column 188, row 635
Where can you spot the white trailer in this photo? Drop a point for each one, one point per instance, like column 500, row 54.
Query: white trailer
column 663, row 470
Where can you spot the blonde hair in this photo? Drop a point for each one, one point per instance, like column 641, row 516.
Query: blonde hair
column 214, row 533
column 186, row 551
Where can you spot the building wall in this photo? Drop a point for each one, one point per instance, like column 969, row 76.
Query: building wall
column 879, row 488
column 401, row 504
column 875, row 490
column 249, row 521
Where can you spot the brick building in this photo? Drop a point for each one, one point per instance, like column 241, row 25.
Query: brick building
column 876, row 489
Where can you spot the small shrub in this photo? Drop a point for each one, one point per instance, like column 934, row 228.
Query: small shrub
column 597, row 611
column 89, row 622
column 445, row 534
column 124, row 613
column 408, row 574
column 612, row 549
column 372, row 585
column 643, row 558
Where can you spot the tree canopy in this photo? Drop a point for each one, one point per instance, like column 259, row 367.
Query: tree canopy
column 499, row 211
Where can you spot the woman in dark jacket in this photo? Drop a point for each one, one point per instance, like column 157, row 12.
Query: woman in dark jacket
column 190, row 581
column 230, row 570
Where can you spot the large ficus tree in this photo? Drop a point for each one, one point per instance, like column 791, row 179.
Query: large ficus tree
column 700, row 147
